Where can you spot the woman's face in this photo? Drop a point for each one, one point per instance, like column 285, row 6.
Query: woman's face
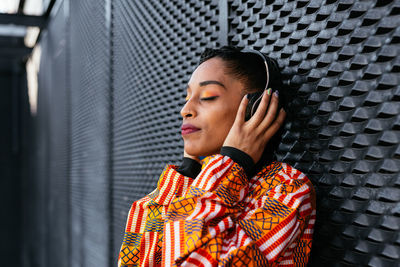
column 213, row 98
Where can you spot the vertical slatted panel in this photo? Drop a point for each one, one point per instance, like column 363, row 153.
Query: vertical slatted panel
column 57, row 210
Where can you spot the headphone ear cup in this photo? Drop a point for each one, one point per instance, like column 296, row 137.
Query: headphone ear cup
column 252, row 105
column 275, row 82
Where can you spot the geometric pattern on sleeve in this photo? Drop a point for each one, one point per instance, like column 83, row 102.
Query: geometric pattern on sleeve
column 276, row 208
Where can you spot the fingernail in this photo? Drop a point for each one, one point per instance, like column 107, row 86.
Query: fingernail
column 269, row 91
column 276, row 93
column 248, row 96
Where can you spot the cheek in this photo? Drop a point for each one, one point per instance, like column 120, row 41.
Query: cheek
column 221, row 120
column 215, row 123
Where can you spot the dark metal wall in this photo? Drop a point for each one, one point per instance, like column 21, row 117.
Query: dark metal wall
column 46, row 184
column 13, row 86
column 112, row 83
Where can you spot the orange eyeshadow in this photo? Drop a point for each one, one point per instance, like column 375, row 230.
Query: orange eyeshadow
column 206, row 94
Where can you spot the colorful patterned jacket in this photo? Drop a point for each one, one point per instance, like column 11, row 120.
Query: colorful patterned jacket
column 222, row 218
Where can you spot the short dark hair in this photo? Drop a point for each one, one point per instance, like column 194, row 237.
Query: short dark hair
column 246, row 67
column 250, row 69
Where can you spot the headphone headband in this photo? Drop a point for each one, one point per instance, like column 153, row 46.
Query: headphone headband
column 247, row 50
column 264, row 58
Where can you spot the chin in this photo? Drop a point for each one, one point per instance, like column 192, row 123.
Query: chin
column 201, row 151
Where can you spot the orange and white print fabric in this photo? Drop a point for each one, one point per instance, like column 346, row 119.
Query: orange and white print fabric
column 222, row 218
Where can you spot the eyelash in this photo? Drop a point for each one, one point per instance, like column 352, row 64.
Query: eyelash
column 205, row 98
column 209, row 98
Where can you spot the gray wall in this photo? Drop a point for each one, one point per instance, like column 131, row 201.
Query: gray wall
column 111, row 85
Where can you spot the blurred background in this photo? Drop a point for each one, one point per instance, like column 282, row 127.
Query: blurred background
column 90, row 98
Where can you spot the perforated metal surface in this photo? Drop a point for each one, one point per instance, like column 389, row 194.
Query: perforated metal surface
column 342, row 57
column 156, row 47
column 90, row 96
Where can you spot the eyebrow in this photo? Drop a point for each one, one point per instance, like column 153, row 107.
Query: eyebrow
column 211, row 82
column 204, row 83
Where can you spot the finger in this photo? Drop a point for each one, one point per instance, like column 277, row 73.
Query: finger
column 241, row 111
column 271, row 113
column 276, row 125
column 262, row 108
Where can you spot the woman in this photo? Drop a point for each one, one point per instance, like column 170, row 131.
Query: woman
column 237, row 206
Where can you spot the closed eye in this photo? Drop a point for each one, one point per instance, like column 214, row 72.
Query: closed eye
column 209, row 98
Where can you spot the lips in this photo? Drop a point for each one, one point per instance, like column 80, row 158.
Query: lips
column 188, row 129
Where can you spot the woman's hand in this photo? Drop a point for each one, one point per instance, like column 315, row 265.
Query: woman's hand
column 251, row 136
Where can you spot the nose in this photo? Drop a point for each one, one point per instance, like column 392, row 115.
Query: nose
column 188, row 110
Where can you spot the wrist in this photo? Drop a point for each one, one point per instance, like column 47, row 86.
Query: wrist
column 240, row 157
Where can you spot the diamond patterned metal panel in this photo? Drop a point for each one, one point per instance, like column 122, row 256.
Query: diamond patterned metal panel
column 341, row 61
column 156, row 48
